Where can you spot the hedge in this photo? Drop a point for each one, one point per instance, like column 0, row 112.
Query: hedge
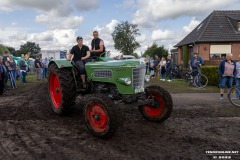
column 212, row 74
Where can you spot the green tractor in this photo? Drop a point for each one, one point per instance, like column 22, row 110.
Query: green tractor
column 108, row 82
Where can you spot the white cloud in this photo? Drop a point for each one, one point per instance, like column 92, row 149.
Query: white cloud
column 71, row 22
column 194, row 22
column 52, row 7
column 162, row 35
column 141, row 38
column 155, row 10
column 111, row 26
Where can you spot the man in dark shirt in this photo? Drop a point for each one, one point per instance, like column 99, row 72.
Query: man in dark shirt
column 38, row 67
column 80, row 54
column 97, row 45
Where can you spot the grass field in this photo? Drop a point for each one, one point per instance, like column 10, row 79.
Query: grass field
column 176, row 86
column 180, row 86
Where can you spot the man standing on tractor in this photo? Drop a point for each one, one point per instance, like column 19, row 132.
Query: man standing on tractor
column 81, row 54
column 97, row 45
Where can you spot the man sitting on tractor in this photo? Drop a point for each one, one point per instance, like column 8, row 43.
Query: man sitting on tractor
column 81, row 54
column 97, row 46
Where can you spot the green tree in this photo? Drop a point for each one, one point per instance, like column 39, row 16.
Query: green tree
column 135, row 55
column 154, row 49
column 185, row 56
column 124, row 37
column 11, row 49
column 3, row 49
column 30, row 47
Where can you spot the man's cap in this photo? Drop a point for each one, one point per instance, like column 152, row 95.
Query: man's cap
column 79, row 37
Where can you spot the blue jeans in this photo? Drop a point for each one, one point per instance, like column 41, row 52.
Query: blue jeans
column 44, row 72
column 24, row 74
column 12, row 78
column 169, row 73
column 163, row 75
column 226, row 82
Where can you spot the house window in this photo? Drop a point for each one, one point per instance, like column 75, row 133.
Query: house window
column 219, row 51
column 238, row 26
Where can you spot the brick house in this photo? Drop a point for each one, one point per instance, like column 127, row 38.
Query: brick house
column 213, row 38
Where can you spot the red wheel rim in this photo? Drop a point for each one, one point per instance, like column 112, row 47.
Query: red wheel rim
column 156, row 110
column 97, row 117
column 55, row 90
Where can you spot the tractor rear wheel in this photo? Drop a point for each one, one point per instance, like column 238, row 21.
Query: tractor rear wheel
column 101, row 116
column 163, row 104
column 61, row 88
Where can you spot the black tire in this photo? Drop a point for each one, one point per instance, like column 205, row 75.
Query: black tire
column 101, row 116
column 187, row 76
column 164, row 109
column 64, row 99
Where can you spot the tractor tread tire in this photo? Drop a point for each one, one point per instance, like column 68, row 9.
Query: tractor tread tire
column 112, row 111
column 68, row 87
column 168, row 105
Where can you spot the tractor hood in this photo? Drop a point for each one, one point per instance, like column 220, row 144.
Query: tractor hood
column 115, row 63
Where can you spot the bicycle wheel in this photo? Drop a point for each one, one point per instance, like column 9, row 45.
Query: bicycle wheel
column 234, row 96
column 200, row 81
column 187, row 76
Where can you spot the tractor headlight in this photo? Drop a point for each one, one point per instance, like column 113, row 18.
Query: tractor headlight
column 127, row 81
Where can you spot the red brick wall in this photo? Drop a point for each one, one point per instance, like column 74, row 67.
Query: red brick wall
column 235, row 50
column 180, row 56
column 204, row 50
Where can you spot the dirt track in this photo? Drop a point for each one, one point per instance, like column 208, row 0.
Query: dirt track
column 30, row 130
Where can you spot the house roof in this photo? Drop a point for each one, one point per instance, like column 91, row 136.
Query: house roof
column 219, row 26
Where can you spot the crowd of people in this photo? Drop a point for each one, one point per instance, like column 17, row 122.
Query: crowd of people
column 160, row 68
column 11, row 70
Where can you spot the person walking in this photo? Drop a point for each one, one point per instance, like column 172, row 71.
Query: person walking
column 169, row 68
column 45, row 67
column 162, row 65
column 38, row 67
column 227, row 71
column 23, row 69
column 12, row 71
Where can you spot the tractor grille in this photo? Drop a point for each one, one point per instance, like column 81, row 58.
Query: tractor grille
column 138, row 78
column 102, row 73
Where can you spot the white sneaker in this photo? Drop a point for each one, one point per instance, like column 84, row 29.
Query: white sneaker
column 221, row 98
column 169, row 80
column 164, row 80
column 161, row 79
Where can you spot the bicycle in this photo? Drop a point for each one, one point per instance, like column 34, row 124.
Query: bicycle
column 197, row 78
column 234, row 96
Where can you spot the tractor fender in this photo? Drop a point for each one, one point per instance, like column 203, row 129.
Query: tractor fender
column 61, row 63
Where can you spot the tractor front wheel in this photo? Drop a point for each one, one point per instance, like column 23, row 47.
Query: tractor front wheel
column 163, row 104
column 101, row 116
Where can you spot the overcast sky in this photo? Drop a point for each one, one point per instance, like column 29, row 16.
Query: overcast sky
column 55, row 24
